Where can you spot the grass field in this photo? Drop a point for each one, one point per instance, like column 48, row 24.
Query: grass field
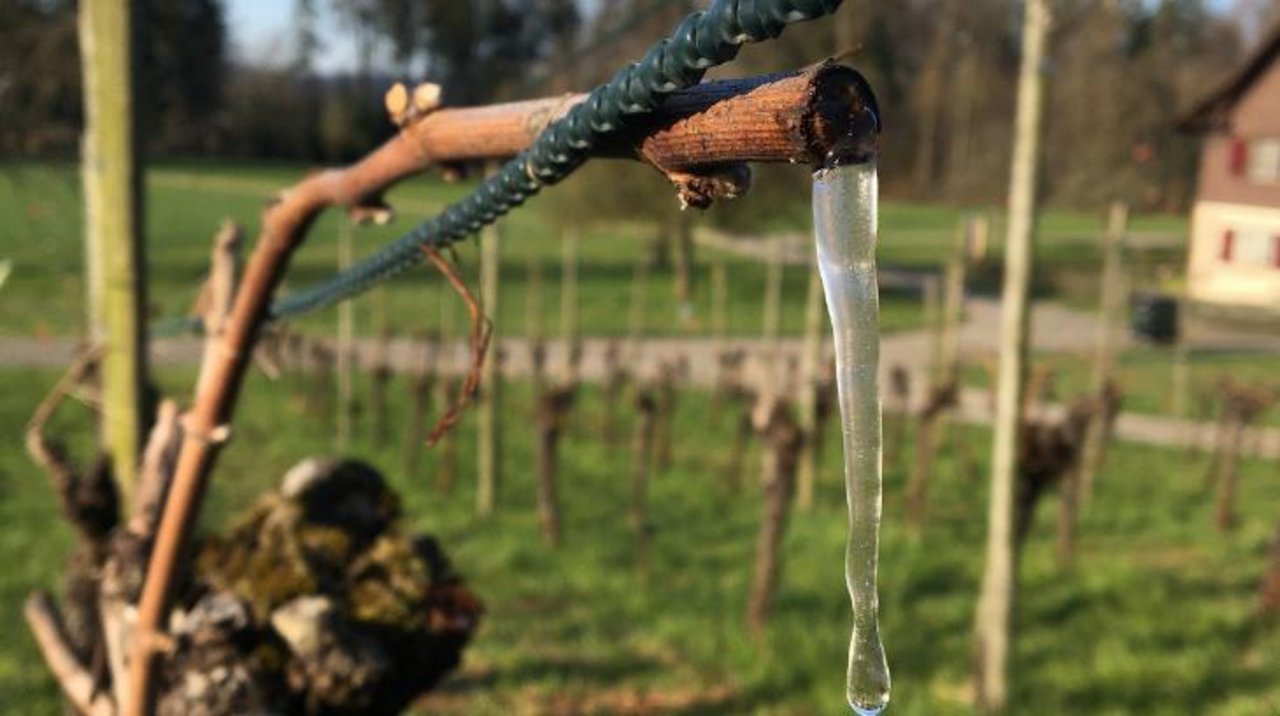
column 41, row 234
column 1157, row 618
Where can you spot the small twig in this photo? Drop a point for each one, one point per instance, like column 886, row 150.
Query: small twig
column 51, row 636
column 158, row 460
column 481, row 331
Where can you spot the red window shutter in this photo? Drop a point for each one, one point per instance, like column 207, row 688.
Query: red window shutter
column 1228, row 245
column 1239, row 156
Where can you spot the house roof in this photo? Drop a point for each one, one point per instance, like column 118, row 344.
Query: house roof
column 1211, row 112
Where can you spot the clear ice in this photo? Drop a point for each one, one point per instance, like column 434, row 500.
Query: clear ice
column 845, row 202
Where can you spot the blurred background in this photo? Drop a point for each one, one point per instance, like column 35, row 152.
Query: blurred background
column 1156, row 280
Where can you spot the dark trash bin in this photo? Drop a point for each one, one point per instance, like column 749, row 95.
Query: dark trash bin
column 1154, row 317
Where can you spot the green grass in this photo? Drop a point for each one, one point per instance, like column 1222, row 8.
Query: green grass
column 41, row 233
column 1156, row 619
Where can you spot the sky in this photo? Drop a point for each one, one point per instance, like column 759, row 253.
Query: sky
column 261, row 32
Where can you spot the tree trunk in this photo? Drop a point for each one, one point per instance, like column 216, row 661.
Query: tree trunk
column 115, row 262
column 423, row 383
column 782, row 438
column 995, row 604
column 489, row 412
column 1110, row 304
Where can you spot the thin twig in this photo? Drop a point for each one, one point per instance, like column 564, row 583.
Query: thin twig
column 51, row 636
column 481, row 331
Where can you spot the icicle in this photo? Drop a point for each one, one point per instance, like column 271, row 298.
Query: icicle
column 844, row 216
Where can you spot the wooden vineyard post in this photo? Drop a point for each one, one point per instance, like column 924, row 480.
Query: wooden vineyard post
column 1111, row 303
column 782, row 439
column 346, row 345
column 636, row 311
column 379, row 380
column 569, row 306
column 944, row 379
column 641, row 461
column 995, row 602
column 810, row 359
column 115, row 263
column 771, row 318
column 489, row 410
column 424, row 379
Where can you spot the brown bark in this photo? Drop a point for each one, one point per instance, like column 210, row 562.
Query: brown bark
column 782, row 438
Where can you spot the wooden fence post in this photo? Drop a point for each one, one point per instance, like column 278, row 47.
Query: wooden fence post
column 115, row 262
column 641, row 459
column 489, row 411
column 424, row 379
column 811, row 357
column 995, row 603
column 346, row 345
column 1104, row 368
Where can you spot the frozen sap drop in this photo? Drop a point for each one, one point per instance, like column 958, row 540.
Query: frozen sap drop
column 844, row 219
